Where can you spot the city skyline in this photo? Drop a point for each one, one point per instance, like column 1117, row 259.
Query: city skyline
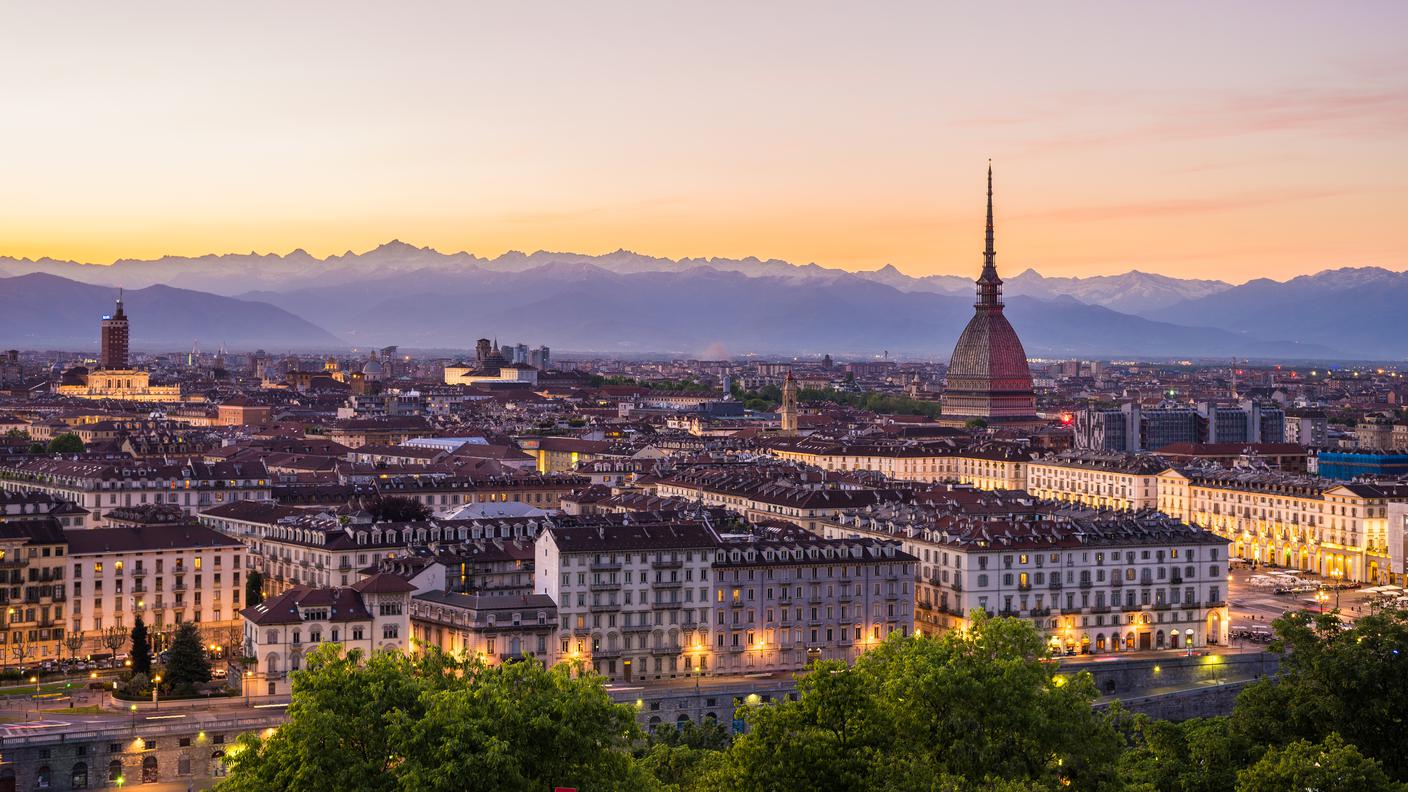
column 1261, row 146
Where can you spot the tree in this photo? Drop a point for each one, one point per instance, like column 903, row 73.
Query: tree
column 186, row 663
column 1328, row 766
column 141, row 649
column 73, row 642
column 253, row 588
column 390, row 721
column 113, row 638
column 968, row 710
column 1197, row 755
column 1334, row 679
column 18, row 434
column 395, row 508
column 66, row 443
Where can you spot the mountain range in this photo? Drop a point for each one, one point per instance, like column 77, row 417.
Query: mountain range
column 41, row 311
column 624, row 302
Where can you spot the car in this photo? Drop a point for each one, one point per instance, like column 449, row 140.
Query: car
column 219, row 673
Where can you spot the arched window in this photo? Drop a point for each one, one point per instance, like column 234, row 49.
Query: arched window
column 115, row 770
column 149, row 773
column 78, row 779
column 183, row 765
column 273, row 637
column 43, row 778
column 217, row 764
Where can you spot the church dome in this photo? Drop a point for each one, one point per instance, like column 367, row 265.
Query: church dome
column 373, row 369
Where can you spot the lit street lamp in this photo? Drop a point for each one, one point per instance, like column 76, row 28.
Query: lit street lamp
column 156, row 691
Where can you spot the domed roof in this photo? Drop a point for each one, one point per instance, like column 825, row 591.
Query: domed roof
column 373, row 368
column 989, row 350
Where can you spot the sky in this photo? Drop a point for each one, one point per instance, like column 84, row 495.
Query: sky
column 1209, row 140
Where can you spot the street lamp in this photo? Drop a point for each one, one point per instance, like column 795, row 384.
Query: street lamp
column 156, row 691
column 133, row 710
column 248, row 679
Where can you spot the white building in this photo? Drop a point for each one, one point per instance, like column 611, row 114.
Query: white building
column 167, row 574
column 372, row 615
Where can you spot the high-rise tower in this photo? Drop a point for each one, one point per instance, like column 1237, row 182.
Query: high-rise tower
column 114, row 339
column 988, row 376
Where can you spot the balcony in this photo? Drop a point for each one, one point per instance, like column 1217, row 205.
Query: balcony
column 637, row 628
column 664, row 650
column 606, row 566
column 666, row 605
column 603, row 586
column 668, row 584
column 667, row 564
column 1024, row 587
column 605, row 607
column 1116, row 582
column 138, row 572
column 1055, row 584
column 1085, row 584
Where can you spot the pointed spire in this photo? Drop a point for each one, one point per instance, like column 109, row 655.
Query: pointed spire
column 989, row 284
column 989, row 255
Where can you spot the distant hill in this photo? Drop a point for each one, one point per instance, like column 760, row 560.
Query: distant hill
column 415, row 296
column 46, row 311
column 587, row 308
column 237, row 273
column 1364, row 309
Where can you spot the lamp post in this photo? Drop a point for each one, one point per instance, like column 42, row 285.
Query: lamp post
column 156, row 691
column 248, row 679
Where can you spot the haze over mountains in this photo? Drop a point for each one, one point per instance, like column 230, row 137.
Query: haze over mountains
column 625, row 302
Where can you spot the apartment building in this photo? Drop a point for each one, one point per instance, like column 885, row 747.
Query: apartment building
column 630, row 597
column 759, row 495
column 669, row 600
column 100, row 486
column 166, row 574
column 1090, row 582
column 1100, row 479
column 1336, row 529
column 781, row 603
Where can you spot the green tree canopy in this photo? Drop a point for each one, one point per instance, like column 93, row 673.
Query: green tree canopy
column 141, row 649
column 66, row 443
column 1327, row 766
column 1335, row 679
column 968, row 710
column 186, row 662
column 431, row 723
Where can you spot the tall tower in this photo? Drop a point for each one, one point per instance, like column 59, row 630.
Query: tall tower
column 988, row 376
column 789, row 404
column 114, row 339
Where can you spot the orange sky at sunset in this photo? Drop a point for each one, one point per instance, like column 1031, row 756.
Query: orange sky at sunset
column 1197, row 140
